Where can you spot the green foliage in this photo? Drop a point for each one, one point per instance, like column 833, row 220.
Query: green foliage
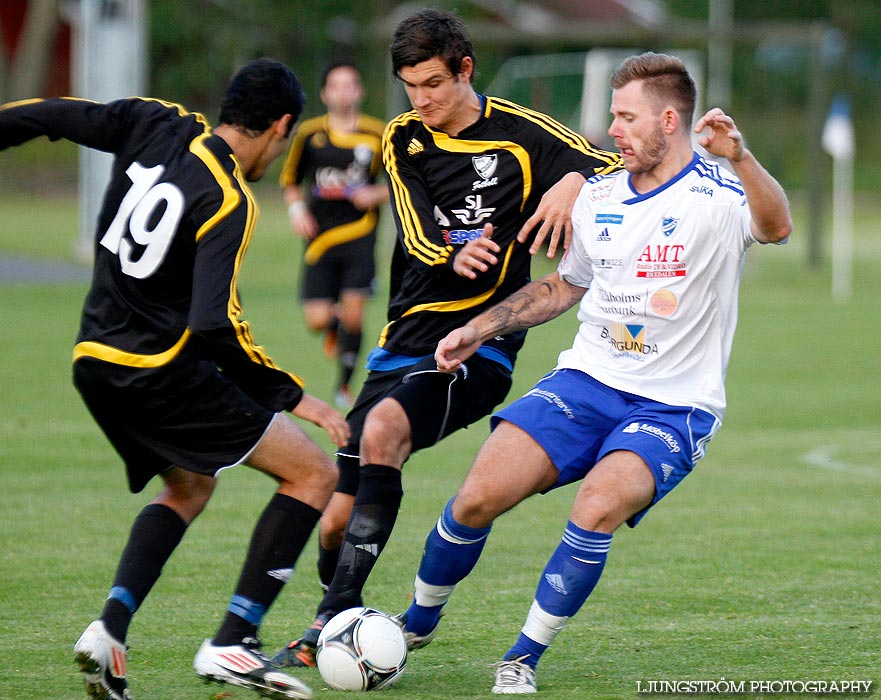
column 762, row 565
column 195, row 47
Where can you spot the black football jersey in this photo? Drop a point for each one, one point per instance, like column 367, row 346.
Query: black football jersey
column 333, row 163
column 445, row 190
column 175, row 223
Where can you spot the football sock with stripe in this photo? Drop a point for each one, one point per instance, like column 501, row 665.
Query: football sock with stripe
column 451, row 552
column 570, row 576
column 155, row 533
column 278, row 539
column 370, row 525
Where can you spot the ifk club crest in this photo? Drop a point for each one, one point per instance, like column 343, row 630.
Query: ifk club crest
column 485, row 165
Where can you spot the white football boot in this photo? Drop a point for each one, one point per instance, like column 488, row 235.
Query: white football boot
column 245, row 666
column 513, row 677
column 101, row 658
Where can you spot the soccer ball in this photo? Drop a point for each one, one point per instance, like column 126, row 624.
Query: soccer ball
column 361, row 649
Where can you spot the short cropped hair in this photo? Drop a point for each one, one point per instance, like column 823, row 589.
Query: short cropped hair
column 333, row 65
column 429, row 33
column 261, row 92
column 664, row 77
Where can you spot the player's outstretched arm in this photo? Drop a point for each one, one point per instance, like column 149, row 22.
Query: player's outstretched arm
column 769, row 208
column 554, row 213
column 321, row 414
column 532, row 305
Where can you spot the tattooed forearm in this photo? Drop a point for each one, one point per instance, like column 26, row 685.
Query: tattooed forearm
column 534, row 304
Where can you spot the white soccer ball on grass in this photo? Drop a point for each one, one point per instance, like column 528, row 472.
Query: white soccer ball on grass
column 361, row 649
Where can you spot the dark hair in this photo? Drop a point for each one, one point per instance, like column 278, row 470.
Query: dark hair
column 333, row 65
column 261, row 92
column 429, row 33
column 665, row 78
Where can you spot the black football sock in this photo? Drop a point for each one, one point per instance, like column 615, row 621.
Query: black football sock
column 349, row 348
column 279, row 537
column 155, row 533
column 369, row 528
column 327, row 561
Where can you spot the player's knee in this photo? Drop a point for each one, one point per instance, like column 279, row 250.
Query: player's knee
column 315, row 325
column 385, row 438
column 187, row 493
column 351, row 323
column 331, row 475
column 473, row 508
column 605, row 511
column 323, row 473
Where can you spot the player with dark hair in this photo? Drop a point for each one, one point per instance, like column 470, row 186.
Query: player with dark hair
column 168, row 367
column 468, row 176
column 330, row 188
column 655, row 262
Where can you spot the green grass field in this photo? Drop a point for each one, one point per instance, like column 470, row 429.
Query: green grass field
column 763, row 565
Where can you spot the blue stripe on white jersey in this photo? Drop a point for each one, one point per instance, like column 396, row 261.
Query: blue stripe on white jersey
column 641, row 196
column 711, row 170
column 601, row 176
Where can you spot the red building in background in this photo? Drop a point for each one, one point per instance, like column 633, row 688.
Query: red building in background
column 13, row 14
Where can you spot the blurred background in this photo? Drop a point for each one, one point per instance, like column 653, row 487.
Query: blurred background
column 779, row 67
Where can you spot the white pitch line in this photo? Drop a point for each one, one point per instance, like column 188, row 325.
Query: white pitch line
column 825, row 458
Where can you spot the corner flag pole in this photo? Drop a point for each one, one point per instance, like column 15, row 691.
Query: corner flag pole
column 838, row 141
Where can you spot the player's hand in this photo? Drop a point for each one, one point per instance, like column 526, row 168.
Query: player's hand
column 724, row 139
column 324, row 416
column 554, row 213
column 456, row 347
column 368, row 196
column 477, row 255
column 303, row 223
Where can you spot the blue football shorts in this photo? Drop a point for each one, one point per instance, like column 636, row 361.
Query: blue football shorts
column 578, row 420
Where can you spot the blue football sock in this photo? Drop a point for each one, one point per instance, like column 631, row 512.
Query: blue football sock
column 570, row 576
column 451, row 552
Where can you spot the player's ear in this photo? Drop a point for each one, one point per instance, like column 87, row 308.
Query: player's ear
column 283, row 126
column 670, row 120
column 466, row 68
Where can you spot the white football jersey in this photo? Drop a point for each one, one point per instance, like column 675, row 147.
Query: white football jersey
column 663, row 272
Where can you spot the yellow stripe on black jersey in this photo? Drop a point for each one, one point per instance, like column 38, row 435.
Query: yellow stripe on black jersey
column 576, row 140
column 417, row 243
column 255, row 352
column 455, row 305
column 339, row 235
column 443, row 141
column 108, row 353
column 231, row 198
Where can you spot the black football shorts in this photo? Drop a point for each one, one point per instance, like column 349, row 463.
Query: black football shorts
column 349, row 266
column 190, row 416
column 436, row 403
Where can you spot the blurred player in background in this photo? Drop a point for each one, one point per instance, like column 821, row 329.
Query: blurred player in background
column 655, row 262
column 468, row 175
column 168, row 367
column 330, row 189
